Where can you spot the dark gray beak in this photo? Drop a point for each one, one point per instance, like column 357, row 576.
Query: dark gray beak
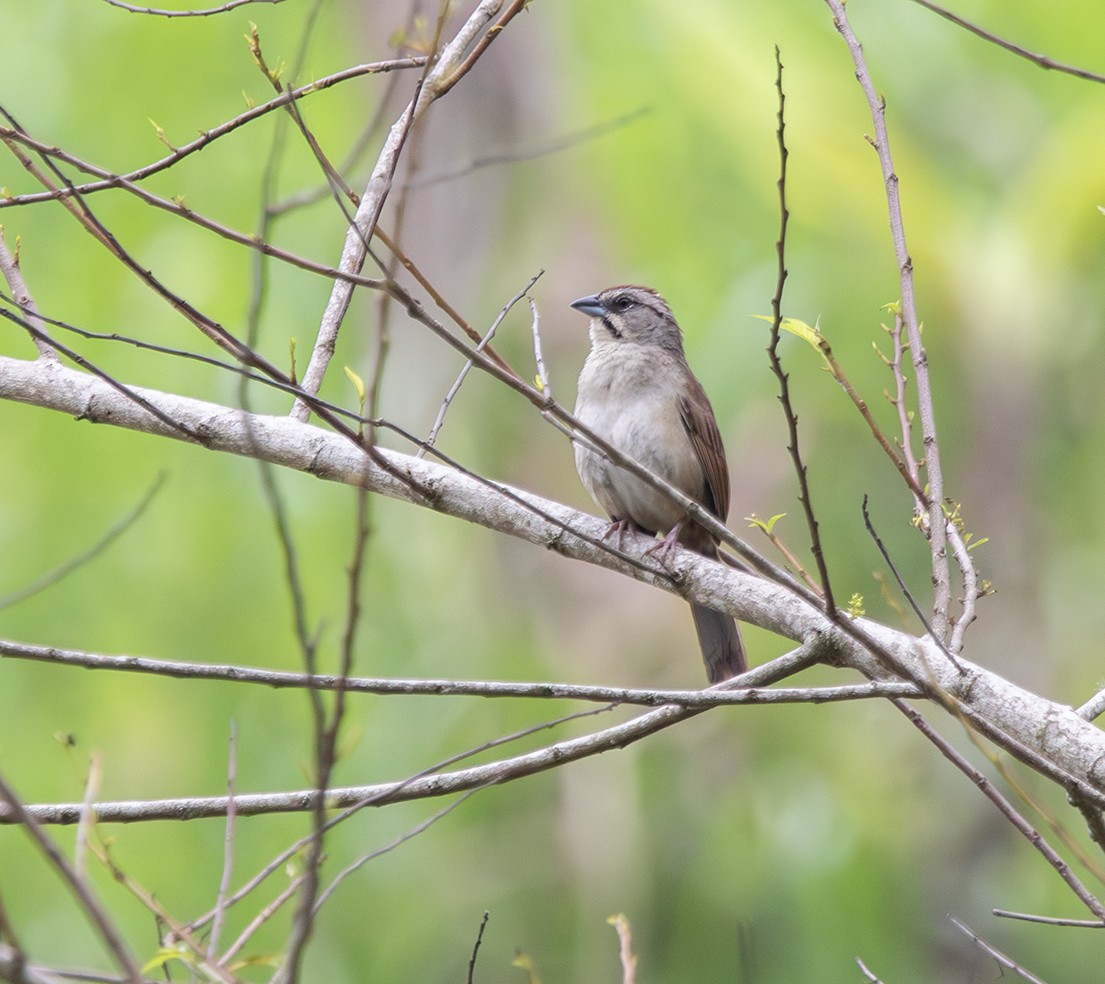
column 590, row 305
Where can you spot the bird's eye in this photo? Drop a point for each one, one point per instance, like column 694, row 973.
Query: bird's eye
column 622, row 303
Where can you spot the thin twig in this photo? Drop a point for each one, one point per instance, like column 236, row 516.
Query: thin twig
column 116, row 530
column 554, row 146
column 9, row 270
column 800, row 469
column 1030, row 833
column 88, row 817
column 496, row 689
column 78, row 885
column 1042, row 60
column 228, row 846
column 387, row 848
column 439, row 421
column 1050, row 920
column 263, row 916
column 476, row 948
column 552, row 756
column 990, row 950
column 907, row 594
column 205, row 12
column 435, row 82
column 109, row 181
column 626, row 955
column 545, row 384
column 937, row 522
column 1094, row 707
column 868, row 974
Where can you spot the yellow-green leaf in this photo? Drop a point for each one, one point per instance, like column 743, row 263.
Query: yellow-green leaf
column 768, row 525
column 524, row 962
column 358, row 384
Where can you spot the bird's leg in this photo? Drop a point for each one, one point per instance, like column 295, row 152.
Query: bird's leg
column 662, row 550
column 617, row 530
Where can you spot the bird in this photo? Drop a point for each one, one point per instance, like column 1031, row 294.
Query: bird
column 637, row 392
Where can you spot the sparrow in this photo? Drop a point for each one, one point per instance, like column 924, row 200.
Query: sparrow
column 637, row 392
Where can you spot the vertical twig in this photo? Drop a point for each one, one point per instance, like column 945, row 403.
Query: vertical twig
column 543, row 381
column 476, row 948
column 776, row 363
column 9, row 270
column 937, row 522
column 228, row 846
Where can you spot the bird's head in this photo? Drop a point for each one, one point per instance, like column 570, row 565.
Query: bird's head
column 631, row 314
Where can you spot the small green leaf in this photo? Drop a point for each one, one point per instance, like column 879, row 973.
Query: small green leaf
column 525, row 962
column 166, row 953
column 754, row 521
column 809, row 334
column 358, row 384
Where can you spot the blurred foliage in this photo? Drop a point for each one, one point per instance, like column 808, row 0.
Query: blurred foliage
column 765, row 844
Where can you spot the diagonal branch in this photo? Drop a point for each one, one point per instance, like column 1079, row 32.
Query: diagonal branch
column 450, row 66
column 1049, row 737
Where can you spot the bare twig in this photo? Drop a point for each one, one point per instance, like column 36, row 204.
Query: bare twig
column 1042, row 60
column 625, row 947
column 205, row 12
column 1031, row 834
column 78, row 885
column 520, row 156
column 425, row 786
column 360, row 805
column 868, row 974
column 228, row 847
column 88, row 817
column 776, row 363
column 9, row 270
column 1094, row 707
column 476, row 948
column 544, row 383
column 123, row 524
column 937, row 523
column 907, row 594
column 446, row 71
column 721, row 696
column 988, row 948
column 387, row 848
column 1050, row 920
column 263, row 916
column 439, row 421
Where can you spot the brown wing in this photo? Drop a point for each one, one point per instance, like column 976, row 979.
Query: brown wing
column 698, row 418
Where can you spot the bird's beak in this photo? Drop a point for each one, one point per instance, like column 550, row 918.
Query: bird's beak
column 590, row 305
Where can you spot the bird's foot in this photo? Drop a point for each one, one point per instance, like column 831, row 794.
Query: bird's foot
column 662, row 550
column 617, row 530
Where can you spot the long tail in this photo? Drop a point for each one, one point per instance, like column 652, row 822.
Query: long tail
column 720, row 639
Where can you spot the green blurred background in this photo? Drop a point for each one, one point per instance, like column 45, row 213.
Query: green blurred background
column 756, row 844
